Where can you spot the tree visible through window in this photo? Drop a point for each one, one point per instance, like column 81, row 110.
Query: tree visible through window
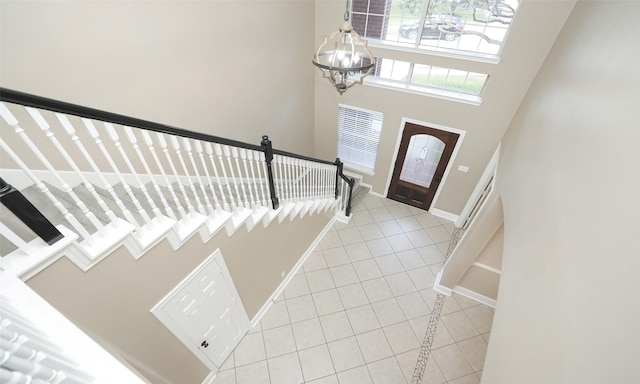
column 464, row 26
column 358, row 136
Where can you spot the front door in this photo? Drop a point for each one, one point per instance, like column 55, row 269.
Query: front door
column 422, row 159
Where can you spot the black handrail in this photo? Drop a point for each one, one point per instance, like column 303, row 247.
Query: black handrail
column 29, row 100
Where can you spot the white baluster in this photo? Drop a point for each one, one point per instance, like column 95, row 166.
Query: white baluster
column 43, row 188
column 8, row 117
column 146, row 137
column 163, row 146
column 219, row 151
column 254, row 160
column 240, row 179
column 176, row 147
column 40, row 121
column 227, row 154
column 134, row 143
column 283, row 190
column 243, row 156
column 200, row 152
column 93, row 132
column 287, row 162
column 116, row 140
column 209, row 149
column 207, row 202
column 70, row 130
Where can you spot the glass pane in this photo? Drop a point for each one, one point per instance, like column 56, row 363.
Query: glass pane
column 421, row 160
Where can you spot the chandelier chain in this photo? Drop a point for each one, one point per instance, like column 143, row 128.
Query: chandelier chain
column 346, row 11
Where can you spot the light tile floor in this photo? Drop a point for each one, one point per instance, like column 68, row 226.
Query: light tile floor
column 357, row 312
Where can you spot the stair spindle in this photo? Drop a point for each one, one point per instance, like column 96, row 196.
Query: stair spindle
column 187, row 147
column 240, row 180
column 200, row 152
column 219, row 152
column 209, row 149
column 165, row 149
column 176, row 147
column 243, row 156
column 254, row 159
column 134, row 144
column 93, row 132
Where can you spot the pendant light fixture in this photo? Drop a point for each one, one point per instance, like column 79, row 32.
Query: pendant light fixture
column 343, row 56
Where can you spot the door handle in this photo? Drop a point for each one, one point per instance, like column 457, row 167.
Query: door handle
column 204, row 344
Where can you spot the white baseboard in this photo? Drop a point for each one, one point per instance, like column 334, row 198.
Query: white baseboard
column 441, row 288
column 256, row 319
column 210, row 377
column 443, row 214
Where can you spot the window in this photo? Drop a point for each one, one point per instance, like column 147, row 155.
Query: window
column 429, row 79
column 358, row 136
column 467, row 27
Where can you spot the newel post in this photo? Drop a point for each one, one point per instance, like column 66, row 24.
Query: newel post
column 28, row 214
column 268, row 157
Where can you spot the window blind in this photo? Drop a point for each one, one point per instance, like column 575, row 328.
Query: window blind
column 358, row 137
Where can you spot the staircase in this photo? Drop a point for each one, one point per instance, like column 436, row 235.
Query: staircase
column 98, row 181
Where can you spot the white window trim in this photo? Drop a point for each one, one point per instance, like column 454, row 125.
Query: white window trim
column 347, row 164
column 423, row 90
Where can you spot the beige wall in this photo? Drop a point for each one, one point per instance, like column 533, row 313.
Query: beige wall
column 233, row 69
column 568, row 307
column 112, row 301
column 527, row 46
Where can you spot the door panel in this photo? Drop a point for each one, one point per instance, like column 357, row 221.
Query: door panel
column 420, row 164
column 207, row 311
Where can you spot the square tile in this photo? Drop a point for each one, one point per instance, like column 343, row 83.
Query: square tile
column 412, row 305
column 379, row 247
column 250, row 350
column 409, row 224
column 370, row 232
column 374, row 345
column 285, row 369
column 401, row 337
column 336, row 326
column 427, row 220
column 388, row 312
column 469, row 379
column 459, row 326
column 431, row 254
column 276, row 316
column 390, row 227
column 345, row 354
column 419, row 326
column 481, row 316
column 301, row 308
column 225, row 377
column 362, row 319
column 438, row 234
column 336, row 256
column 380, row 214
column 367, row 269
column 320, row 280
column 419, row 238
column 308, row 333
column 359, row 375
column 400, row 284
column 410, row 259
column 279, row 341
column 474, row 350
column 358, row 252
column 422, row 278
column 330, row 240
column 399, row 210
column 256, row 373
column 350, row 236
column 451, row 362
column 316, row 362
column 362, row 218
column 407, row 362
column 465, row 302
column 297, row 286
column 377, row 289
column 343, row 275
column 432, row 373
column 353, row 295
column 333, row 379
column 442, row 337
column 314, row 262
column 389, row 264
column 327, row 302
column 386, row 371
column 399, row 242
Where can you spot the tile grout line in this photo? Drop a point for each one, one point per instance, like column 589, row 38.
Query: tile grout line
column 425, row 349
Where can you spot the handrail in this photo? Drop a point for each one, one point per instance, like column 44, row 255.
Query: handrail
column 39, row 102
column 29, row 100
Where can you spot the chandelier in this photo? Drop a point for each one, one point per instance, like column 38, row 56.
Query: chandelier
column 343, row 57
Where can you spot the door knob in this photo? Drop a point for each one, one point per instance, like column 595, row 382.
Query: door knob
column 204, row 344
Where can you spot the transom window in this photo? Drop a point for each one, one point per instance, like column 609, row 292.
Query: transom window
column 430, row 79
column 468, row 27
column 358, row 137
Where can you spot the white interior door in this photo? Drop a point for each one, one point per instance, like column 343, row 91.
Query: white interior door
column 204, row 311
